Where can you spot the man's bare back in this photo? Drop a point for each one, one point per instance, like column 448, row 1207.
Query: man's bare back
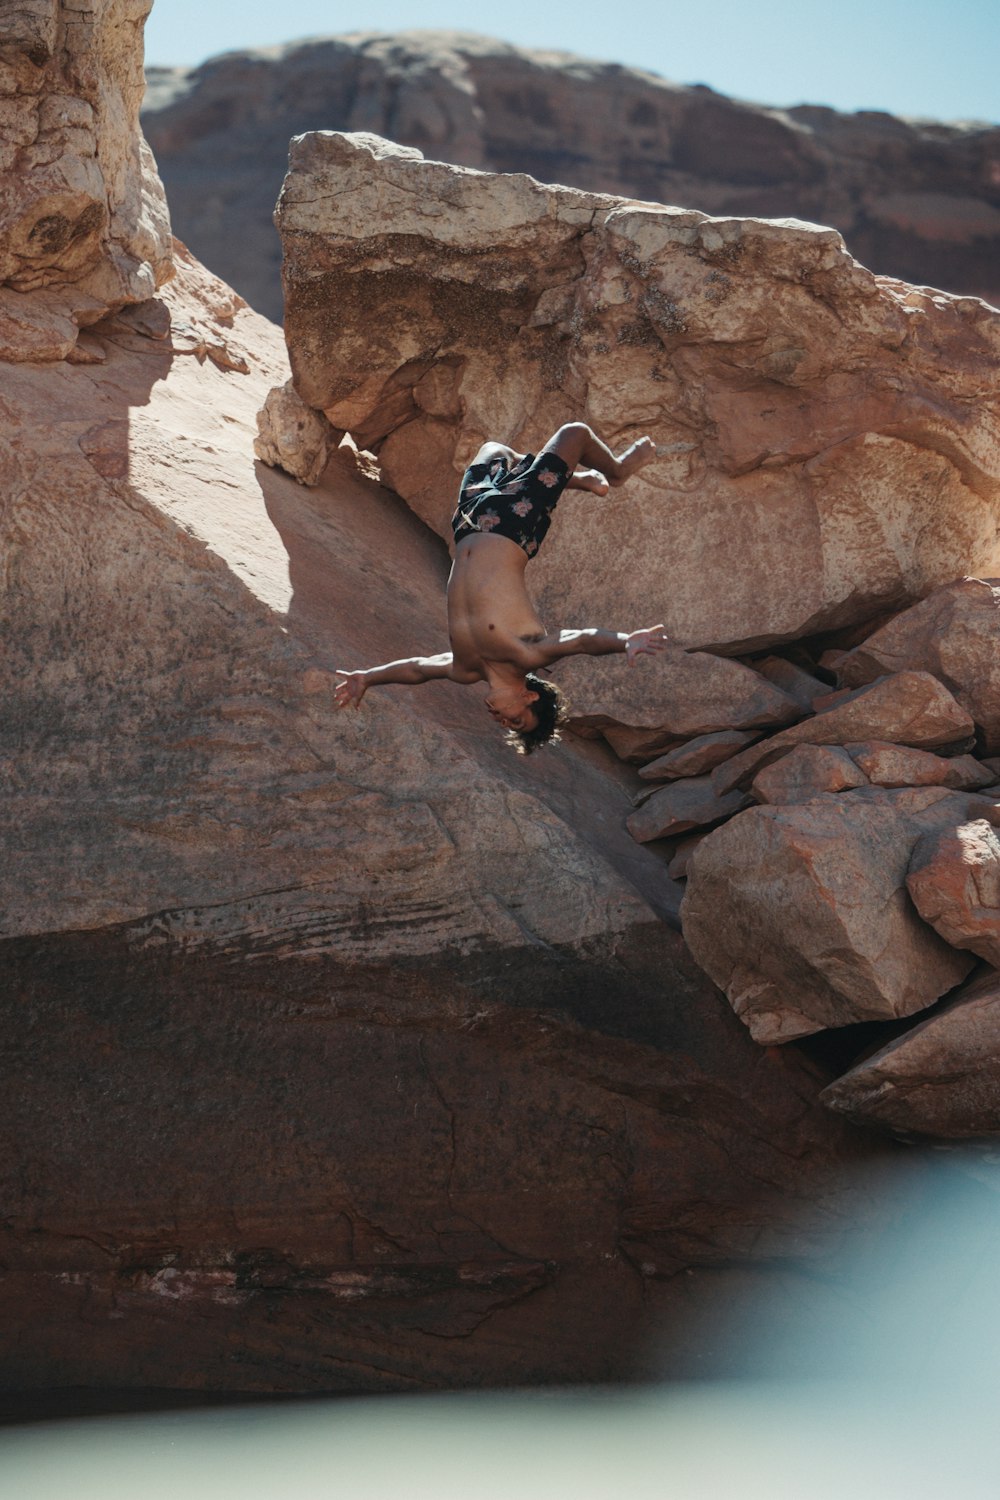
column 495, row 633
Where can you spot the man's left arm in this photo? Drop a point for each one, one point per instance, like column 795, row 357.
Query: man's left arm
column 631, row 644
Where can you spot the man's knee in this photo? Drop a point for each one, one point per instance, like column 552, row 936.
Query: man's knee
column 569, row 440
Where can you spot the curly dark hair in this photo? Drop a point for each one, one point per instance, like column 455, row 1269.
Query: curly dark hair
column 551, row 710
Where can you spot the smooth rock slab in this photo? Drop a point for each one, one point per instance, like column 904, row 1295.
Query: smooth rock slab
column 801, row 913
column 901, row 765
column 807, row 771
column 683, row 805
column 680, row 694
column 911, row 708
column 698, row 756
column 792, row 679
column 635, row 746
column 954, row 881
column 954, row 633
column 940, row 1079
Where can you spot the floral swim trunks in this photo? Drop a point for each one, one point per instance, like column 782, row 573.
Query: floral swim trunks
column 513, row 502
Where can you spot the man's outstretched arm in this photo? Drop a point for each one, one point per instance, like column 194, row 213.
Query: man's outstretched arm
column 411, row 670
column 632, row 644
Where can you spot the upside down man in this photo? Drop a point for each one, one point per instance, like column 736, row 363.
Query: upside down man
column 504, row 510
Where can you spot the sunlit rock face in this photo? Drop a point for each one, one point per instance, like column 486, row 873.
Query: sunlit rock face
column 914, row 199
column 346, row 1051
column 83, row 219
column 351, row 1051
column 829, row 440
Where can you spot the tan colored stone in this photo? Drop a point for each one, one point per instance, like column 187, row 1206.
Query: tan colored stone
column 680, row 694
column 261, row 946
column 789, row 391
column 940, row 1079
column 885, row 764
column 911, row 708
column 801, row 913
column 281, row 963
column 807, row 771
column 954, row 882
column 954, row 633
column 682, row 805
column 698, row 756
column 83, row 219
column 293, row 436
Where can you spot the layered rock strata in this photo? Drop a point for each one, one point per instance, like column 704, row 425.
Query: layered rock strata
column 914, row 199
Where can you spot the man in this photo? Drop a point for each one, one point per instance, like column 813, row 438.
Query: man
column 504, row 511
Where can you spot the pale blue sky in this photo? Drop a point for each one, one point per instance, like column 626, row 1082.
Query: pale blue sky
column 938, row 58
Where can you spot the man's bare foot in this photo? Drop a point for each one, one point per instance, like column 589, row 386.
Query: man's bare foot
column 590, row 479
column 635, row 457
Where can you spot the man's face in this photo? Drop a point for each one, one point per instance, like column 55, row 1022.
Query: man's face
column 511, row 708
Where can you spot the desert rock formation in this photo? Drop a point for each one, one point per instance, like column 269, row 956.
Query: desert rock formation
column 914, row 199
column 83, row 219
column 343, row 1052
column 826, row 540
column 956, row 635
column 829, row 439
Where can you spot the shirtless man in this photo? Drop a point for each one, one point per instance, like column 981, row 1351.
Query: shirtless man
column 504, row 510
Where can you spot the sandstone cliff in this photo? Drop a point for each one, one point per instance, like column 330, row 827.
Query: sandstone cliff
column 914, row 199
column 828, row 455
column 341, row 1052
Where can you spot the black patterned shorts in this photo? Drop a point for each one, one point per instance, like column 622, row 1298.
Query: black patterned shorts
column 516, row 503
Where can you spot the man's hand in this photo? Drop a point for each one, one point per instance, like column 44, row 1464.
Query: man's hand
column 645, row 643
column 349, row 692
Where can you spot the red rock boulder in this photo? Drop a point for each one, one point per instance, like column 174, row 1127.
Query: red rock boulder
column 953, row 633
column 954, row 881
column 911, row 708
column 801, row 913
column 940, row 1079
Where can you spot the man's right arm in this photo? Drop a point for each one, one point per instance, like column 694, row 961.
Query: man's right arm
column 410, row 671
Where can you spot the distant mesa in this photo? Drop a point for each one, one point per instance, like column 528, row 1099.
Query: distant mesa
column 915, row 200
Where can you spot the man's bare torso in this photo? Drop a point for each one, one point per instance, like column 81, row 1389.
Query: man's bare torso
column 490, row 616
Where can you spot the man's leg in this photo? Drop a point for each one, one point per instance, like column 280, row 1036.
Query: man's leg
column 577, row 444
